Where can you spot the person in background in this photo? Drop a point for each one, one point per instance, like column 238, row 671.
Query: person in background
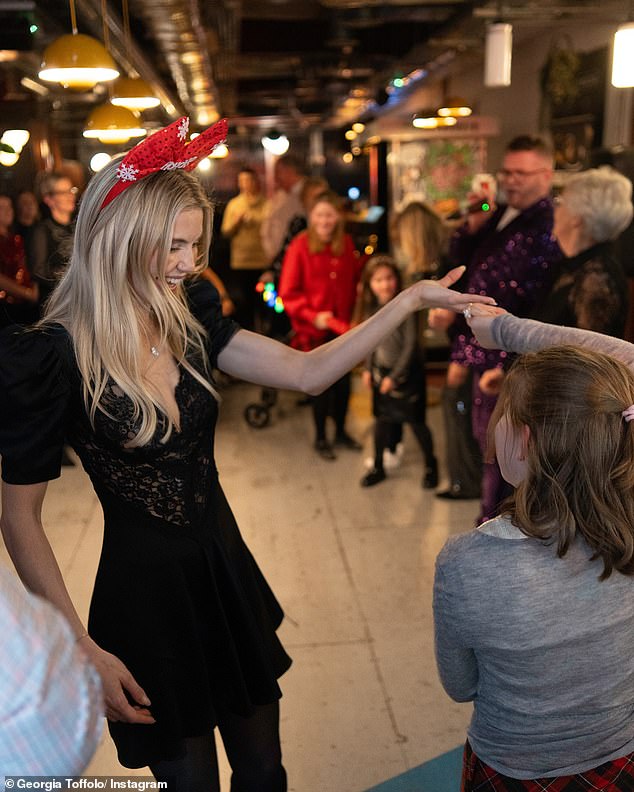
column 395, row 372
column 285, row 204
column 241, row 223
column 590, row 290
column 510, row 254
column 318, row 285
column 27, row 213
column 51, row 706
column 311, row 188
column 48, row 246
column 420, row 239
column 182, row 625
column 228, row 308
column 18, row 295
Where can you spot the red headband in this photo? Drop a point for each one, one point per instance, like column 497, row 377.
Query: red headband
column 166, row 150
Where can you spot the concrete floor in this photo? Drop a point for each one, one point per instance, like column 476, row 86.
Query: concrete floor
column 353, row 569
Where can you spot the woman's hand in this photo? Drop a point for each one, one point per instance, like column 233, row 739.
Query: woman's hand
column 321, row 320
column 366, row 378
column 480, row 320
column 490, row 381
column 440, row 318
column 387, row 385
column 437, row 294
column 116, row 681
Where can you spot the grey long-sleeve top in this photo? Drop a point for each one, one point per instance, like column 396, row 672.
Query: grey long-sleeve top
column 543, row 649
column 397, row 352
column 525, row 335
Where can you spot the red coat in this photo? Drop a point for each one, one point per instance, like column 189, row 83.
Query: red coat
column 314, row 282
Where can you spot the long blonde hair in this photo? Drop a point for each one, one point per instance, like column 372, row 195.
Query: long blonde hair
column 108, row 295
column 580, row 451
column 422, row 236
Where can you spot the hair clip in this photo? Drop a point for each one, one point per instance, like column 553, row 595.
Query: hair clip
column 166, row 150
column 629, row 413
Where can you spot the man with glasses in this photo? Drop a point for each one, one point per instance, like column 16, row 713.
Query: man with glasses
column 509, row 253
column 50, row 241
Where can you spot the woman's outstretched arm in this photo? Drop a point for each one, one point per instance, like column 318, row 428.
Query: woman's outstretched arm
column 266, row 362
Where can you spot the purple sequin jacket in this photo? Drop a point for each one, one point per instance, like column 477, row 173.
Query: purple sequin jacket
column 514, row 266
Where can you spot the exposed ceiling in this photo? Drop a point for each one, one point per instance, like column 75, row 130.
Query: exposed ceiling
column 295, row 63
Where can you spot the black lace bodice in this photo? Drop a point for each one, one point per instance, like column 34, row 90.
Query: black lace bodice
column 169, row 479
column 41, row 408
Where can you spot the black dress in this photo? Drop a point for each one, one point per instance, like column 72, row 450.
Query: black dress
column 178, row 596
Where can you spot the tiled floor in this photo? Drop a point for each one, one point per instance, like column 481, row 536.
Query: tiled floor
column 353, row 569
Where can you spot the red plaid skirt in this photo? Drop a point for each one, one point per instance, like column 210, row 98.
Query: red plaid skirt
column 614, row 776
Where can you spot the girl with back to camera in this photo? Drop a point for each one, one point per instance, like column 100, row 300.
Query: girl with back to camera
column 182, row 625
column 534, row 610
column 395, row 372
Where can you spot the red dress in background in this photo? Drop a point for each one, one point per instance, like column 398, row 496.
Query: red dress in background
column 314, row 282
column 13, row 265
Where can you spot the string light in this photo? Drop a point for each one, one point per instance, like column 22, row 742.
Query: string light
column 270, row 296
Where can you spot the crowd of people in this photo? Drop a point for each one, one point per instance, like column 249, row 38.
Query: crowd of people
column 119, row 360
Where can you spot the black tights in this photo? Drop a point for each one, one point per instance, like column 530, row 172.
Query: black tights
column 384, row 438
column 334, row 402
column 253, row 749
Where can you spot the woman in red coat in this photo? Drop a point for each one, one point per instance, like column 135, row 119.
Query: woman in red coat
column 318, row 285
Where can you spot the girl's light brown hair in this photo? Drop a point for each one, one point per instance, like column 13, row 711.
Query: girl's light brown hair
column 580, row 452
column 315, row 245
column 367, row 303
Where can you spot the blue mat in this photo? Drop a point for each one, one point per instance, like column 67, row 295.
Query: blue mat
column 441, row 774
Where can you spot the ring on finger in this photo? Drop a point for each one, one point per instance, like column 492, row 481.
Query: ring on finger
column 467, row 311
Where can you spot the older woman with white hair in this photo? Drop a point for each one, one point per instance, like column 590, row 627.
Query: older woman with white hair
column 590, row 291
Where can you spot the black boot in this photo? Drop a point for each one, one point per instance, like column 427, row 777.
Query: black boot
column 375, row 476
column 430, row 479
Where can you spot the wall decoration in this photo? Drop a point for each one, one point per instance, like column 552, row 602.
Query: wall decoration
column 437, row 171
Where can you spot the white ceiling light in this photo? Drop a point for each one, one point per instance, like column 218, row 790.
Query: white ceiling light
column 16, row 138
column 275, row 143
column 498, row 54
column 99, row 161
column 623, row 57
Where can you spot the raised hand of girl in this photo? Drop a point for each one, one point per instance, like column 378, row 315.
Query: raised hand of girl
column 480, row 318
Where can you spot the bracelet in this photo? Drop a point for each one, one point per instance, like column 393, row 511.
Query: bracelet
column 83, row 635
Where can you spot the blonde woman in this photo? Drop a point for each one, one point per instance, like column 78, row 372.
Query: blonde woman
column 182, row 625
column 420, row 238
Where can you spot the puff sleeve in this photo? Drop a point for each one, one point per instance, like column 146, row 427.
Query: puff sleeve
column 35, row 397
column 204, row 303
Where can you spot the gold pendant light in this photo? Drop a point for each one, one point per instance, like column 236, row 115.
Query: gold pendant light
column 132, row 92
column 111, row 124
column 76, row 60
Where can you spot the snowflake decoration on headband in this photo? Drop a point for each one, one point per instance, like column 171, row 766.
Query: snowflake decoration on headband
column 166, row 150
column 127, row 172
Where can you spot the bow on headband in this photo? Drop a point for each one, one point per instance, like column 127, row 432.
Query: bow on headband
column 166, row 150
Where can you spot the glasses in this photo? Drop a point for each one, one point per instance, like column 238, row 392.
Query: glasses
column 519, row 174
column 71, row 191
